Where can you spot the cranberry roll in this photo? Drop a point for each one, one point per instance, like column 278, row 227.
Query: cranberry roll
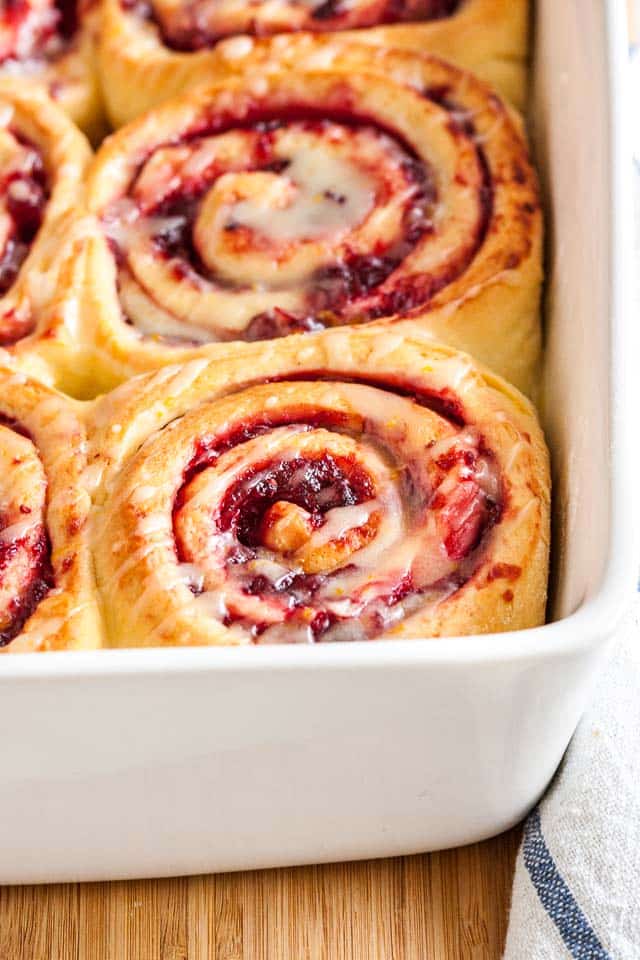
column 43, row 158
column 153, row 49
column 351, row 486
column 288, row 202
column 47, row 591
column 54, row 43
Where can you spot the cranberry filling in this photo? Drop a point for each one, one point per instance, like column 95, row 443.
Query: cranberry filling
column 278, row 323
column 69, row 17
column 14, row 324
column 26, row 193
column 209, row 449
column 15, row 425
column 317, row 484
column 41, row 580
column 191, row 32
column 443, row 402
column 42, row 33
column 41, row 577
column 257, row 497
column 356, row 286
column 333, row 286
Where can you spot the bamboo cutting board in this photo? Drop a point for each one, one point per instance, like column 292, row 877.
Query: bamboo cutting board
column 443, row 906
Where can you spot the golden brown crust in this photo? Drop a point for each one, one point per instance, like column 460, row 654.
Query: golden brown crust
column 44, row 445
column 490, row 306
column 139, row 71
column 71, row 77
column 39, row 309
column 145, row 435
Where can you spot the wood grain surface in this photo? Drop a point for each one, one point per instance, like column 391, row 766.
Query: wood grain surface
column 443, row 906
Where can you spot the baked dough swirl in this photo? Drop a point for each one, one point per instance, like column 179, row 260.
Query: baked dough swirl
column 47, row 594
column 153, row 49
column 343, row 487
column 296, row 201
column 53, row 43
column 43, row 158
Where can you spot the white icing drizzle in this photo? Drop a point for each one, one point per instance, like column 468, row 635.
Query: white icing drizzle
column 140, row 495
column 35, row 34
column 263, row 233
column 331, row 196
column 340, row 520
column 191, row 576
column 6, row 113
column 236, row 48
column 213, row 603
column 273, row 571
column 92, row 476
column 312, row 570
column 236, row 460
column 186, row 375
column 127, row 227
column 19, row 530
column 292, row 632
column 151, row 524
column 131, row 561
column 454, row 373
column 464, row 438
column 515, row 452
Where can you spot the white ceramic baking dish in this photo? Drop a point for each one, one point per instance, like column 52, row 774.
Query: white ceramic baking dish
column 157, row 762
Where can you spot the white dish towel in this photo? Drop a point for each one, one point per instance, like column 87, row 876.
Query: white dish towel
column 576, row 892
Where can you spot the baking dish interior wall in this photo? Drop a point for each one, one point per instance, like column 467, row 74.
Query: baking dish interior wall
column 569, row 119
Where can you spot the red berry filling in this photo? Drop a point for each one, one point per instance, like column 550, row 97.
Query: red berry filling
column 199, row 25
column 289, row 530
column 32, row 31
column 199, row 205
column 33, row 590
column 26, row 574
column 23, row 190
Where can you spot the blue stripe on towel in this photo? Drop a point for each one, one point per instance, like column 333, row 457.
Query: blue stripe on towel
column 555, row 896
